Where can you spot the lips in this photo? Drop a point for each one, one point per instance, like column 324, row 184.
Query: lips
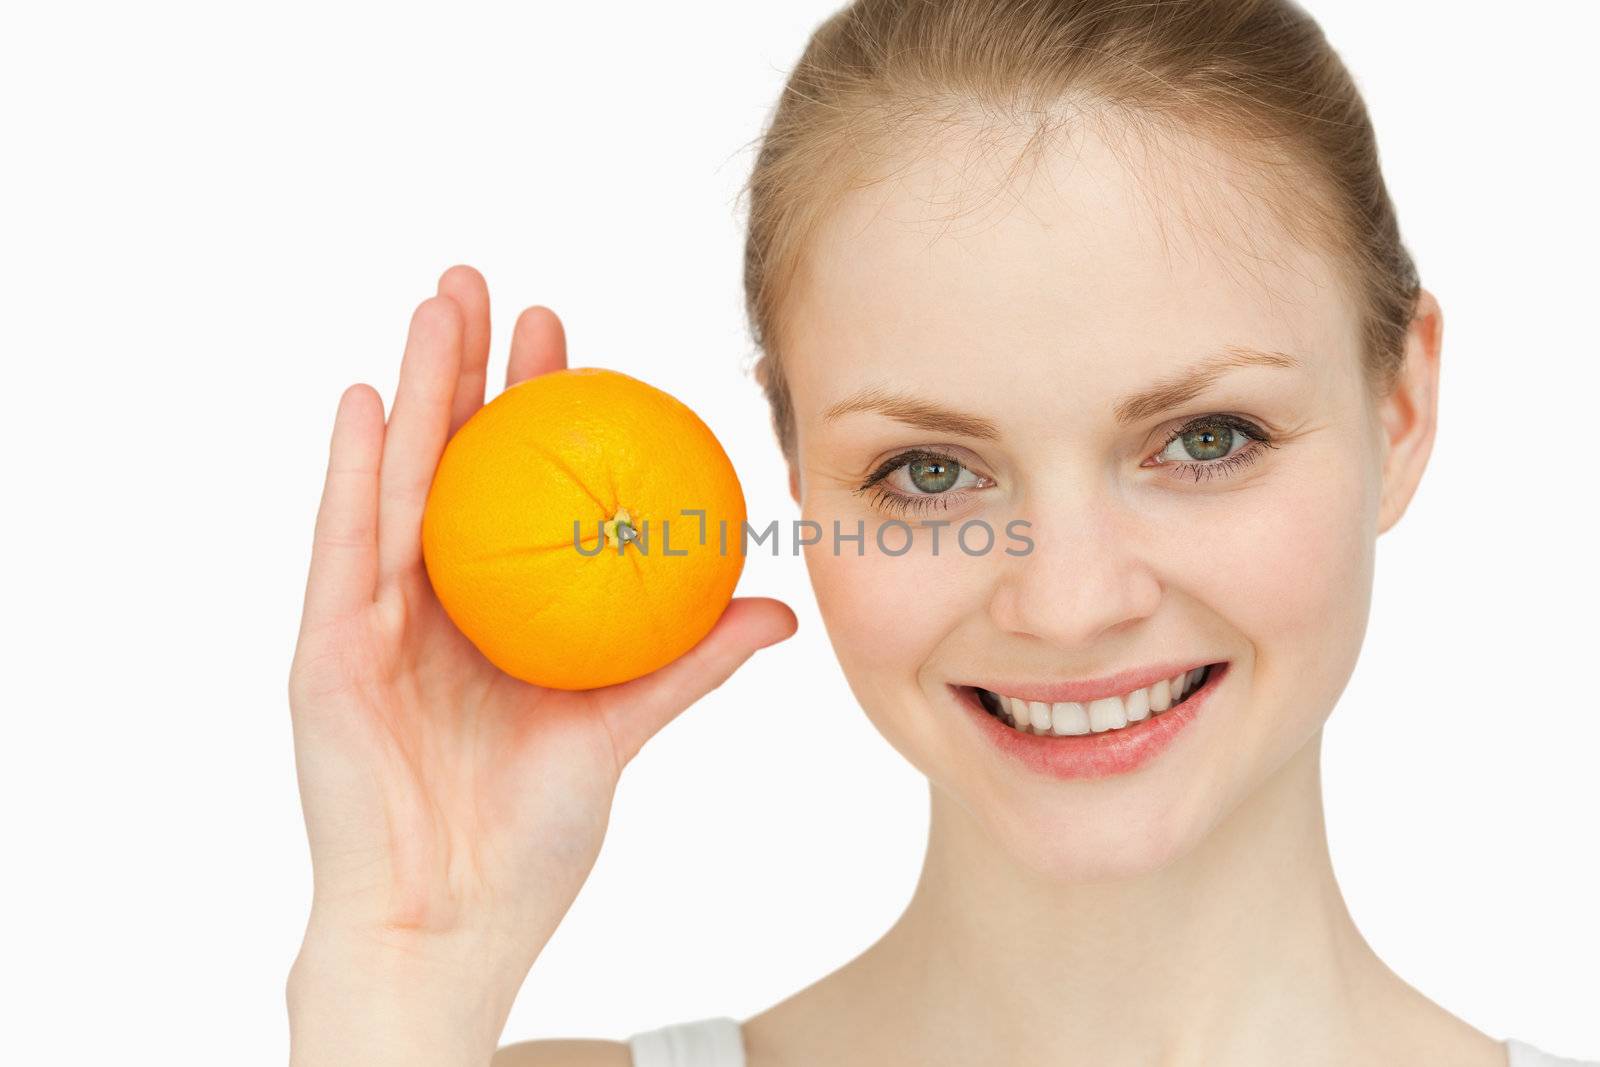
column 1119, row 684
column 1091, row 755
column 1109, row 712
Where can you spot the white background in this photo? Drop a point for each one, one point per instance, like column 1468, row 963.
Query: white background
column 217, row 217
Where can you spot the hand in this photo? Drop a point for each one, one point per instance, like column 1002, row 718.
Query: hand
column 453, row 811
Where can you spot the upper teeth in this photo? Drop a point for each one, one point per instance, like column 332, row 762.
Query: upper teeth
column 1097, row 716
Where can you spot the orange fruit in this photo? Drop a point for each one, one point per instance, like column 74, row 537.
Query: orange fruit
column 635, row 585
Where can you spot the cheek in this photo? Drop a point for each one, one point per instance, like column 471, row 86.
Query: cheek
column 1300, row 564
column 886, row 617
column 882, row 613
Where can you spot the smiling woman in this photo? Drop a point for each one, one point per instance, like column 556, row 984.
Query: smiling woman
column 1161, row 665
column 1124, row 275
column 1129, row 274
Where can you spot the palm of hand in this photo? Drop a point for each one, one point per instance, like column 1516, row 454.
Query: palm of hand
column 465, row 759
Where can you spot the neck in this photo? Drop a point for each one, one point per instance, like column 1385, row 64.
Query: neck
column 1240, row 951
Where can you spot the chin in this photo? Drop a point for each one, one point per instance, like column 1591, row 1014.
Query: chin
column 1123, row 827
column 1113, row 837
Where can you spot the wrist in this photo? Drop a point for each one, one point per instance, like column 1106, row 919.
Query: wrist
column 396, row 997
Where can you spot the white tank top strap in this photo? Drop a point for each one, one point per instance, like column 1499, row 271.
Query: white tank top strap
column 715, row 1042
column 1522, row 1054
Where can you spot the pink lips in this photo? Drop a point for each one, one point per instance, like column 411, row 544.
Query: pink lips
column 1093, row 755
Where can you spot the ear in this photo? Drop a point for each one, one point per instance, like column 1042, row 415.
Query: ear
column 1410, row 413
column 794, row 482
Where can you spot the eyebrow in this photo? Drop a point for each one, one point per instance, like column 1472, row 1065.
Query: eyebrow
column 1169, row 392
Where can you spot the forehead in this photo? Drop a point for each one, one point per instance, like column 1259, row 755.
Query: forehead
column 1114, row 260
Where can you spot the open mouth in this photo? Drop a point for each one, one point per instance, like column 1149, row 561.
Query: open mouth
column 1106, row 715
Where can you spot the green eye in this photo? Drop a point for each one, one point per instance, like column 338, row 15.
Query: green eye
column 933, row 475
column 1209, row 442
column 930, row 480
column 1213, row 446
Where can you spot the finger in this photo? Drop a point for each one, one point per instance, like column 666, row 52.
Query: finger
column 471, row 293
column 419, row 425
column 636, row 710
column 538, row 345
column 344, row 548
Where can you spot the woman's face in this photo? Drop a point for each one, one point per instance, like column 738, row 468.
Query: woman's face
column 1038, row 306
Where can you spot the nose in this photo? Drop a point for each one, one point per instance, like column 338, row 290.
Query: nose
column 1086, row 579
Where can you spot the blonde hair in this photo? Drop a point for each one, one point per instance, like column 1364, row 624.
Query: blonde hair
column 1256, row 78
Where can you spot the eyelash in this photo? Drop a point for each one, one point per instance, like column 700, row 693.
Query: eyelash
column 1202, row 470
column 902, row 503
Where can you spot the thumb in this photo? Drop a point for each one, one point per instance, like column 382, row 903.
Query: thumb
column 637, row 709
